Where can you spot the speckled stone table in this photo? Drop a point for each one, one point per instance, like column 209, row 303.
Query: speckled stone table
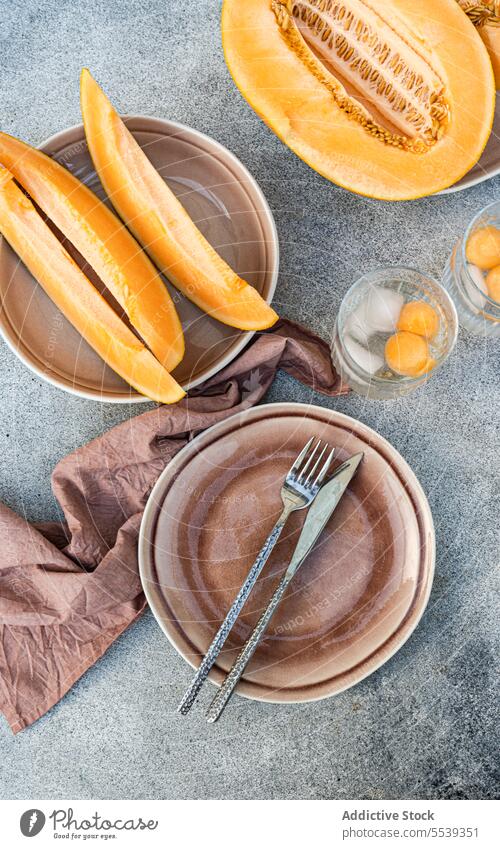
column 423, row 726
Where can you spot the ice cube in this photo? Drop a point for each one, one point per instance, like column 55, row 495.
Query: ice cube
column 367, row 361
column 356, row 325
column 382, row 308
column 475, row 292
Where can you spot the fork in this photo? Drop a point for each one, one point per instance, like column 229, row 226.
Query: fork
column 300, row 487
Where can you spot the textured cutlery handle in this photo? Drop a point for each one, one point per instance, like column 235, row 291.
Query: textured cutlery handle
column 236, row 607
column 239, row 666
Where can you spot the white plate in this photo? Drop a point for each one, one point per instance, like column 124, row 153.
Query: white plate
column 489, row 164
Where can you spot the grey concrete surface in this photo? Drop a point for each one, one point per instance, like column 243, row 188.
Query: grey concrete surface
column 423, row 726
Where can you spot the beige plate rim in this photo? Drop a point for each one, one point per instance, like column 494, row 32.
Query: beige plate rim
column 11, row 339
column 465, row 183
column 405, row 629
column 485, row 173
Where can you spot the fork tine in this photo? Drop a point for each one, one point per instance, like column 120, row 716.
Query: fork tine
column 296, row 465
column 318, row 461
column 308, row 462
column 321, row 476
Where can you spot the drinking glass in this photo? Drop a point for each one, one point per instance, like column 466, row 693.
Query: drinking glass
column 362, row 364
column 477, row 311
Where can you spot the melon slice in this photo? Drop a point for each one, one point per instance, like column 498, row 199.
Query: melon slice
column 160, row 222
column 76, row 297
column 100, row 237
column 393, row 99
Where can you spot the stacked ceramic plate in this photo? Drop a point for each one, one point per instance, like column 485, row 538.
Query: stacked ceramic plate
column 356, row 599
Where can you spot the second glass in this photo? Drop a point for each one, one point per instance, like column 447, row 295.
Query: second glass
column 477, row 311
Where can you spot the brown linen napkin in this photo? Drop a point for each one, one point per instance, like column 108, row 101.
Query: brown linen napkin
column 68, row 589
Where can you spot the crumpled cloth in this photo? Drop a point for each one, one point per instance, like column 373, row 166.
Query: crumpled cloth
column 68, row 589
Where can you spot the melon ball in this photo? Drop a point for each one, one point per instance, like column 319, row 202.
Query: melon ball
column 493, row 284
column 483, row 248
column 420, row 318
column 381, row 309
column 408, row 354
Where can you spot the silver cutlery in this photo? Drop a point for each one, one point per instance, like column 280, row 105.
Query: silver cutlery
column 316, row 519
column 301, row 485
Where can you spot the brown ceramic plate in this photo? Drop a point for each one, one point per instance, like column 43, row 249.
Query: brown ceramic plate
column 228, row 207
column 355, row 600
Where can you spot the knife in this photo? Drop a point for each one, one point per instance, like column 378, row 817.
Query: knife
column 319, row 513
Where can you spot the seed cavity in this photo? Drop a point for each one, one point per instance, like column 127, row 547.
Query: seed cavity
column 376, row 75
column 482, row 12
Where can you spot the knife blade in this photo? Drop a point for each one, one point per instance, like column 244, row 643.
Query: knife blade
column 319, row 513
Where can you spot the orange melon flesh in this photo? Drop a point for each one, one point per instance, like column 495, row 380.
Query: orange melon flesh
column 298, row 93
column 104, row 242
column 78, row 300
column 491, row 38
column 160, row 222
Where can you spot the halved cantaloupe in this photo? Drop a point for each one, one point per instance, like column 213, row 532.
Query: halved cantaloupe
column 392, row 99
column 100, row 237
column 160, row 222
column 77, row 298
